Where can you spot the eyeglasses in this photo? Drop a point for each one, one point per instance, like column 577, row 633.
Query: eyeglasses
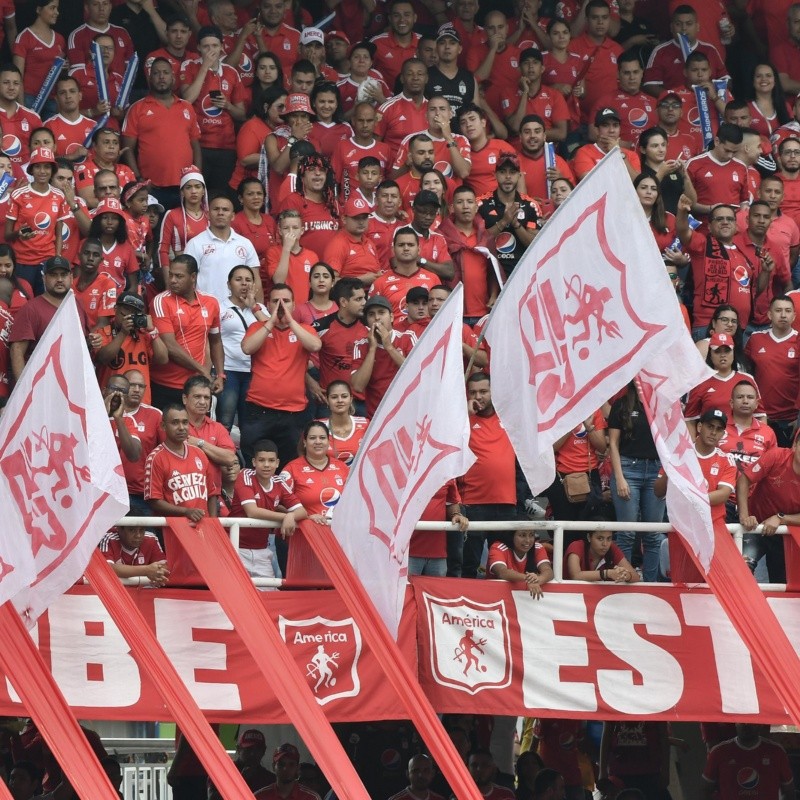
column 670, row 105
column 792, row 153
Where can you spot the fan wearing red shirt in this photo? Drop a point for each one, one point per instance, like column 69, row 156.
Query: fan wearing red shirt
column 95, row 291
column 35, row 55
column 286, row 760
column 289, row 262
column 405, row 113
column 350, row 251
column 257, row 494
column 80, row 40
column 362, row 143
column 421, row 771
column 512, row 562
column 399, row 43
column 188, row 322
column 533, row 98
column 377, row 358
column 481, row 763
column 496, row 66
column 748, row 766
column 177, row 478
column 219, row 99
column 383, row 221
column 608, row 127
column 718, row 467
column 427, row 550
column 532, row 139
column 91, row 103
column 175, row 50
column 279, row 350
column 405, row 272
column 485, row 151
column 69, row 126
column 134, row 552
column 103, row 156
column 16, row 121
column 722, row 273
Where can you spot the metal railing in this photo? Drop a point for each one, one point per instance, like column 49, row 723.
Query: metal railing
column 558, row 527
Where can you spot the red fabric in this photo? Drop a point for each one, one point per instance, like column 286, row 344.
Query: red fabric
column 417, row 705
column 491, row 478
column 317, row 489
column 249, row 489
column 150, row 654
column 227, row 578
column 49, row 710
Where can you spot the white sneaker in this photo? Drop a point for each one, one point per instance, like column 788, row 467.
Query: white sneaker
column 534, row 510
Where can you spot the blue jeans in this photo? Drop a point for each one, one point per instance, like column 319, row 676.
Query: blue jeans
column 231, row 402
column 643, row 506
column 432, row 567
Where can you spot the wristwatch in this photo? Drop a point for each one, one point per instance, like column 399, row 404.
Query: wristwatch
column 201, row 443
column 291, row 140
column 423, row 262
column 781, row 515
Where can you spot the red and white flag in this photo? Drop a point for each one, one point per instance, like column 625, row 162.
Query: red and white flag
column 416, row 442
column 61, row 480
column 585, row 309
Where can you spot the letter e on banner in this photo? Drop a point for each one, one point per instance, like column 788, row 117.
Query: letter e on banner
column 470, row 643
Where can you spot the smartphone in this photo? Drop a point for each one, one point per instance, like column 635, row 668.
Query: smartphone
column 26, row 229
column 215, row 94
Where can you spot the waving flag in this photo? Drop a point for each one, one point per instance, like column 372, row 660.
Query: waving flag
column 416, row 442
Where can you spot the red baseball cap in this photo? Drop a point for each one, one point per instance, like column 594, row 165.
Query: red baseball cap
column 109, row 206
column 286, row 750
column 720, row 340
column 298, row 102
column 355, row 206
column 252, row 738
column 337, row 35
column 41, row 155
column 669, row 93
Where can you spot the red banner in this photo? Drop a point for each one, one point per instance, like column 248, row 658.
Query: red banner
column 604, row 652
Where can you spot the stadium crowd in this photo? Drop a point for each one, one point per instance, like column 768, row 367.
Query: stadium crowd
column 258, row 218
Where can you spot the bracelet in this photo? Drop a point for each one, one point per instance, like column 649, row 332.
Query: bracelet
column 154, row 334
column 452, row 144
column 603, row 573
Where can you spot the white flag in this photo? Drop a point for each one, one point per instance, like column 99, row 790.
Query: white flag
column 585, row 309
column 416, row 442
column 61, row 480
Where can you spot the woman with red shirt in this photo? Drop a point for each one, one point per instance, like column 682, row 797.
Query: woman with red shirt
column 597, row 558
column 119, row 258
column 346, row 430
column 251, row 222
column 563, row 68
column 22, row 289
column 328, row 129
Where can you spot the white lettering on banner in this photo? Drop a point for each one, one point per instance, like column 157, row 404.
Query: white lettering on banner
column 544, row 687
column 96, row 666
column 737, row 684
column 329, row 650
column 656, row 681
column 459, row 658
column 176, row 622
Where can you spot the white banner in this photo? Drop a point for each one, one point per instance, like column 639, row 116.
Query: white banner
column 586, row 308
column 416, row 442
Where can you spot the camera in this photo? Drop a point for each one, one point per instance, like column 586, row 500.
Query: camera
column 139, row 321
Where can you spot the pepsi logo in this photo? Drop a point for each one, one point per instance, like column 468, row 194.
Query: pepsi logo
column 505, row 243
column 209, row 109
column 245, row 65
column 445, row 167
column 65, row 232
column 42, row 221
column 582, row 433
column 329, row 497
column 638, row 117
column 11, row 145
column 741, row 275
column 390, row 759
column 73, row 147
column 747, row 778
column 694, row 116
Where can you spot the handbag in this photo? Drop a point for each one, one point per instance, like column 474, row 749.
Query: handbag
column 576, row 486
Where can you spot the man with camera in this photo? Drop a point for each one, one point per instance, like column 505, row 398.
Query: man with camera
column 114, row 394
column 131, row 341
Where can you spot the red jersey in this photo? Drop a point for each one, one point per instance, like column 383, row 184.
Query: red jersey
column 279, row 368
column 163, row 135
column 384, row 369
column 118, row 262
column 69, row 135
column 395, row 287
column 409, row 188
column 16, row 129
column 689, row 122
column 98, row 299
column 755, row 773
column 146, row 423
column 577, row 453
column 682, row 145
column 261, row 236
column 381, row 233
column 344, row 448
column 318, row 490
column 249, row 141
column 581, row 549
column 390, row 54
column 589, row 155
column 398, row 117
column 746, row 446
column 558, row 744
column 599, row 69
column 567, row 74
column 318, row 221
column 719, row 470
column 300, row 264
column 216, row 125
column 441, row 152
column 38, row 56
column 181, row 479
column 718, row 183
column 248, row 490
column 148, row 552
column 780, row 278
column 87, row 80
column 348, row 89
column 714, row 393
column 174, row 61
column 190, row 322
column 637, row 112
column 491, row 478
column 42, row 213
column 666, row 63
column 351, row 257
column 776, row 487
column 177, row 227
column 722, row 274
column 775, row 364
column 299, row 792
column 345, row 160
column 284, row 43
column 6, row 321
column 336, row 355
column 484, row 163
column 433, row 544
column 503, row 555
column 80, row 40
column 326, row 136
column 536, row 176
column 85, row 172
column 547, row 103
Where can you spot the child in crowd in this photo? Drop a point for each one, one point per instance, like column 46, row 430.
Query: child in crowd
column 134, row 552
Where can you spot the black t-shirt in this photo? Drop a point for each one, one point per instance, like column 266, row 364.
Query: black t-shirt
column 509, row 247
column 639, row 444
column 458, row 90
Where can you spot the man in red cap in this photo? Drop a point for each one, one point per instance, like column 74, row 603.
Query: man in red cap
column 286, row 763
column 608, row 127
column 350, row 252
column 250, row 749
